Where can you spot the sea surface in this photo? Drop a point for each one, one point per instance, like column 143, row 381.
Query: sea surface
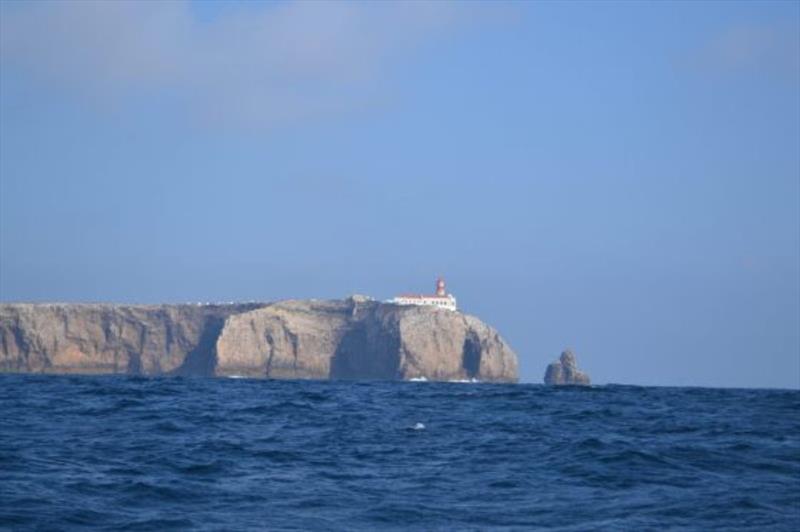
column 125, row 453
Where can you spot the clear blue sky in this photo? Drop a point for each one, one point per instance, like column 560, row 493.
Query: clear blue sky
column 620, row 178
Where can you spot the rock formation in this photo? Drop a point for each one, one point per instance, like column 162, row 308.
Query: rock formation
column 95, row 338
column 565, row 371
column 356, row 338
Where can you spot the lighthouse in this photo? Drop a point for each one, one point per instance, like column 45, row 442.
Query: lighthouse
column 440, row 290
column 441, row 299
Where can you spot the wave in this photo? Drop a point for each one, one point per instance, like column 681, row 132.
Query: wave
column 121, row 453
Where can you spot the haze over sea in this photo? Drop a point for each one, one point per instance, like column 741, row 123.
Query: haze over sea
column 232, row 454
column 620, row 178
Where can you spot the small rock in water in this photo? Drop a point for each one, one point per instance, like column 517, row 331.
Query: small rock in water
column 566, row 371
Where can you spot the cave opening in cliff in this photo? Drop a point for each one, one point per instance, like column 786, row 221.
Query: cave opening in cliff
column 134, row 364
column 471, row 356
column 202, row 359
column 360, row 355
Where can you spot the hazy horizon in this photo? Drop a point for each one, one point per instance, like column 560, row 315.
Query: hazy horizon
column 619, row 178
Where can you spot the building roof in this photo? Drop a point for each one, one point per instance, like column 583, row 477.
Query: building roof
column 422, row 296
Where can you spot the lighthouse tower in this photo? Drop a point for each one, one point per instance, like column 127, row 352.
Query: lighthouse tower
column 440, row 289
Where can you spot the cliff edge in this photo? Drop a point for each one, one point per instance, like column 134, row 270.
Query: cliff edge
column 353, row 338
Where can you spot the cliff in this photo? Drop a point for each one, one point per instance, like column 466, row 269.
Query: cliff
column 339, row 339
column 95, row 338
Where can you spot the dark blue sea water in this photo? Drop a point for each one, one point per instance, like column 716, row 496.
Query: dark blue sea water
column 223, row 454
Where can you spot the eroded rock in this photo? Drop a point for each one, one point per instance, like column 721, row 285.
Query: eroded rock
column 565, row 371
column 104, row 338
column 356, row 338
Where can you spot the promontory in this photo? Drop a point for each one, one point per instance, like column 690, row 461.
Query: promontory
column 354, row 338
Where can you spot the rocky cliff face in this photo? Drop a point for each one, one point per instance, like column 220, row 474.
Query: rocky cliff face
column 565, row 371
column 342, row 339
column 87, row 338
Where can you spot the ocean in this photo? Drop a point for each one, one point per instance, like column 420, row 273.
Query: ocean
column 129, row 453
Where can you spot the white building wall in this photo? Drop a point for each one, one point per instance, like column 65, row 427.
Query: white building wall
column 447, row 302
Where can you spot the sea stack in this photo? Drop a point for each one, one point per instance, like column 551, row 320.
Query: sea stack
column 565, row 371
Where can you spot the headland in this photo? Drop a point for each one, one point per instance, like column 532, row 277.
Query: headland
column 353, row 338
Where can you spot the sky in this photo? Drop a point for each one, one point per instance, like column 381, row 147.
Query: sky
column 619, row 178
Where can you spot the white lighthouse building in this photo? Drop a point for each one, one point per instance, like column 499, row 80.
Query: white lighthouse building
column 441, row 299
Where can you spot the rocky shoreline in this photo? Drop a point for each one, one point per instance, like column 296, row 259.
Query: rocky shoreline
column 354, row 338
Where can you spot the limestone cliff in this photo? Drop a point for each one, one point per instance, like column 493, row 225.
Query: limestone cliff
column 339, row 339
column 100, row 338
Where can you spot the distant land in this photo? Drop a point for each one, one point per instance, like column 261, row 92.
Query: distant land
column 353, row 338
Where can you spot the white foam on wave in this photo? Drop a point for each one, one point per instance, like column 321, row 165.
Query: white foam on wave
column 419, row 426
column 419, row 379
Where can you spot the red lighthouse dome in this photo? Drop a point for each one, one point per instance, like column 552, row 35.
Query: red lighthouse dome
column 440, row 289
